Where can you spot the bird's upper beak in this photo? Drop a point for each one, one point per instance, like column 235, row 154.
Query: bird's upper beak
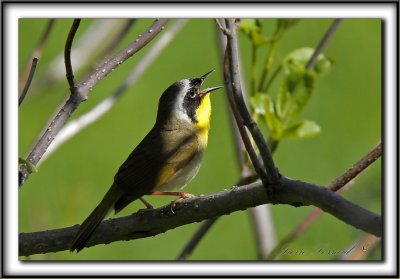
column 207, row 90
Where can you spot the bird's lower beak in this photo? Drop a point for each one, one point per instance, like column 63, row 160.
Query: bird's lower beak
column 208, row 90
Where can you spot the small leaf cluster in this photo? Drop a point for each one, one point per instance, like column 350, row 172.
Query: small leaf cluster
column 280, row 114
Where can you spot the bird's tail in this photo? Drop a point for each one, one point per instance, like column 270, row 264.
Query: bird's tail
column 93, row 221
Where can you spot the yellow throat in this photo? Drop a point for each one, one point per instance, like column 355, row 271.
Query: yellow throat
column 203, row 114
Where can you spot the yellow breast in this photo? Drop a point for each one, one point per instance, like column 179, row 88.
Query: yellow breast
column 203, row 115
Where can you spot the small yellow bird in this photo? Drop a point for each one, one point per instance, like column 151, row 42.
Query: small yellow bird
column 167, row 158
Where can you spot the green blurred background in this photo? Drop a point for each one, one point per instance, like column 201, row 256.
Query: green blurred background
column 71, row 182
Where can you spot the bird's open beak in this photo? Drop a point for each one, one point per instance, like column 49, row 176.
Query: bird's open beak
column 207, row 90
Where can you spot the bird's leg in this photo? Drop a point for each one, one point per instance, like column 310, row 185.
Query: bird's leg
column 146, row 203
column 182, row 196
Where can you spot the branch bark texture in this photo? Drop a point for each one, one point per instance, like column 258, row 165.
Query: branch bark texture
column 152, row 222
column 233, row 61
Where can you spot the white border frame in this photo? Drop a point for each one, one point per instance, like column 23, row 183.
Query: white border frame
column 12, row 12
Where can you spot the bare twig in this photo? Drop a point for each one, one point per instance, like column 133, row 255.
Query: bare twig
column 28, row 81
column 240, row 124
column 37, row 52
column 204, row 228
column 188, row 249
column 328, row 35
column 96, row 35
column 335, row 185
column 221, row 27
column 118, row 38
column 272, row 78
column 152, row 222
column 82, row 92
column 78, row 124
column 357, row 168
column 272, row 178
column 67, row 55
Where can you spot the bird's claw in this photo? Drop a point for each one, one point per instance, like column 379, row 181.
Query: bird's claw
column 183, row 197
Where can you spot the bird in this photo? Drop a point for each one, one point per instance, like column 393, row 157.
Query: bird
column 167, row 158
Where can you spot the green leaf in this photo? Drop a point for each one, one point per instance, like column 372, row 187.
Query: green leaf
column 274, row 124
column 299, row 83
column 294, row 93
column 302, row 129
column 323, row 65
column 31, row 167
column 257, row 103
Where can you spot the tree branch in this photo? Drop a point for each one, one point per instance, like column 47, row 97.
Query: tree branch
column 28, row 81
column 94, row 37
column 335, row 185
column 356, row 169
column 232, row 54
column 323, row 43
column 37, row 52
column 82, row 92
column 194, row 241
column 67, row 55
column 152, row 222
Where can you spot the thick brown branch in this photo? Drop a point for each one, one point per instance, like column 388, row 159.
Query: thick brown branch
column 82, row 91
column 152, row 222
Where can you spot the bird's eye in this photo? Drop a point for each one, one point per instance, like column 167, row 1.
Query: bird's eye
column 192, row 93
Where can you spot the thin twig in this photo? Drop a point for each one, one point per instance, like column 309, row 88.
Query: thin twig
column 272, row 178
column 118, row 38
column 78, row 124
column 152, row 222
column 194, row 241
column 240, row 125
column 82, row 92
column 335, row 185
column 357, row 168
column 245, row 179
column 221, row 27
column 96, row 35
column 37, row 51
column 323, row 43
column 272, row 78
column 67, row 55
column 28, row 82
